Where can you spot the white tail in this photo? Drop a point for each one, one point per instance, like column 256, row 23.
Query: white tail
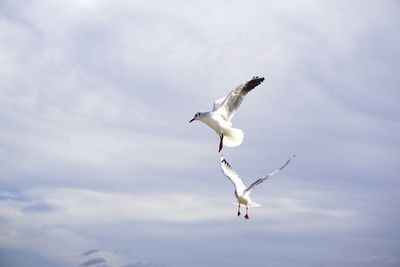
column 253, row 204
column 233, row 137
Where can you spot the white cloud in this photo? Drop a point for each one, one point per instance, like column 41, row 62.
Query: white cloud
column 77, row 214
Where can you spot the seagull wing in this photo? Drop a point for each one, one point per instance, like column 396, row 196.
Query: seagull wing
column 232, row 175
column 218, row 103
column 233, row 100
column 259, row 181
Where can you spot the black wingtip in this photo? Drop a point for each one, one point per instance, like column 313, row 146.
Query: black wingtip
column 261, row 79
column 225, row 162
column 255, row 81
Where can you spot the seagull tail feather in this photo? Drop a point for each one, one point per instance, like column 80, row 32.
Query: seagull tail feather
column 253, row 204
column 233, row 137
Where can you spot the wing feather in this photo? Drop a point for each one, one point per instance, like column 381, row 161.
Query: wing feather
column 233, row 100
column 232, row 175
column 259, row 181
column 218, row 103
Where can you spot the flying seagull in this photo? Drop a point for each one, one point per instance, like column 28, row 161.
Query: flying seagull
column 241, row 192
column 219, row 119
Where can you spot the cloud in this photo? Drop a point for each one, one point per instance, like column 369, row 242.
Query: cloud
column 115, row 258
column 81, row 214
column 78, row 207
column 94, row 262
column 142, row 264
column 13, row 257
column 38, row 207
column 89, row 252
column 96, row 151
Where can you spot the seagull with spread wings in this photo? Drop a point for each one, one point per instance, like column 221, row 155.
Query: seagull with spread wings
column 241, row 192
column 219, row 119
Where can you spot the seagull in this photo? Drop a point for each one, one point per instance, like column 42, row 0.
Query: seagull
column 219, row 119
column 241, row 192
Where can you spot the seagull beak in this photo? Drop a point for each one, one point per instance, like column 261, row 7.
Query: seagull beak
column 192, row 120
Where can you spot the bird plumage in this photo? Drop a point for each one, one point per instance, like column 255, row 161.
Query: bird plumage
column 219, row 119
column 242, row 192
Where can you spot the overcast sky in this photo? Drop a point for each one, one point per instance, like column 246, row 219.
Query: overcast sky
column 100, row 168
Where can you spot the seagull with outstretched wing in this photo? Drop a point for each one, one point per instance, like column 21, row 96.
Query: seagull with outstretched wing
column 219, row 119
column 242, row 192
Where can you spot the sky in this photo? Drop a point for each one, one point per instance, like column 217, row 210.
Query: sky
column 99, row 166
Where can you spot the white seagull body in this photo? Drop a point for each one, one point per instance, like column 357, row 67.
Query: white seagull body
column 241, row 192
column 219, row 119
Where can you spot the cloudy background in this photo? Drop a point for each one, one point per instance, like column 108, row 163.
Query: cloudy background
column 99, row 166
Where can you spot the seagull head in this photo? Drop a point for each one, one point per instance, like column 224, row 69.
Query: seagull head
column 196, row 117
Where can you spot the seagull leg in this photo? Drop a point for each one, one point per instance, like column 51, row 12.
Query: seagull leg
column 221, row 142
column 246, row 216
column 238, row 210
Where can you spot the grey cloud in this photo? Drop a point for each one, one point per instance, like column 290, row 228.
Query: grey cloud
column 108, row 256
column 28, row 203
column 143, row 264
column 10, row 195
column 12, row 257
column 39, row 207
column 89, row 252
column 97, row 262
